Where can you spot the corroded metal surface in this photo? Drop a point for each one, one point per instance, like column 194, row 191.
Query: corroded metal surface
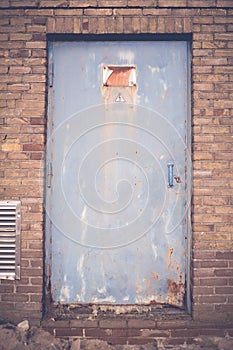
column 116, row 232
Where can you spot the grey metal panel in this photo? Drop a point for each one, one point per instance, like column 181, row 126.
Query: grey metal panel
column 118, row 233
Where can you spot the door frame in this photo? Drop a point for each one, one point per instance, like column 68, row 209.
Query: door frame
column 48, row 303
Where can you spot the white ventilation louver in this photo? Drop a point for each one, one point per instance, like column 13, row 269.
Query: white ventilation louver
column 10, row 219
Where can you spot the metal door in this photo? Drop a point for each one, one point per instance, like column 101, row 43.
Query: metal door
column 117, row 183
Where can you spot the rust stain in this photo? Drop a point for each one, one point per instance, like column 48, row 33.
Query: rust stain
column 154, row 302
column 139, row 287
column 170, row 257
column 148, row 284
column 177, row 179
column 176, row 291
column 155, row 275
column 119, row 84
column 120, row 76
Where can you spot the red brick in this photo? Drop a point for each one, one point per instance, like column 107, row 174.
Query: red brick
column 6, row 289
column 116, row 340
column 110, row 24
column 7, row 306
column 77, row 25
column 146, row 3
column 210, row 299
column 33, row 147
column 53, row 3
column 173, row 324
column 36, row 298
column 112, row 3
column 83, row 323
column 224, row 255
column 85, row 25
column 144, row 24
column 128, row 25
column 68, row 332
column 213, row 282
column 185, row 333
column 141, row 341
column 83, row 3
column 133, row 332
column 200, row 290
column 29, row 289
column 25, row 306
column 212, row 332
column 112, row 323
column 96, row 333
column 98, row 12
column 161, row 25
column 137, row 323
column 15, row 297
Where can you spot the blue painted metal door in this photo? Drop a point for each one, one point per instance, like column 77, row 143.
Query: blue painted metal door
column 117, row 184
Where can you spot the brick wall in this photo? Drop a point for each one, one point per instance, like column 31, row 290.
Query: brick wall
column 24, row 25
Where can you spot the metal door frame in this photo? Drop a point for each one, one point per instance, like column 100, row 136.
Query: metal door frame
column 121, row 37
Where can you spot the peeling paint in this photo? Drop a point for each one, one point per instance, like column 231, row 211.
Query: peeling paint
column 109, row 299
column 84, row 223
column 81, row 271
column 175, row 292
column 155, row 250
column 154, row 69
column 64, row 292
column 126, row 56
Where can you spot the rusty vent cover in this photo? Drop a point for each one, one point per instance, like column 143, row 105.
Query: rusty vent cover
column 119, row 76
column 10, row 219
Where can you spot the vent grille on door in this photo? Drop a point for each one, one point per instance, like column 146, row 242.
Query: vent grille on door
column 10, row 219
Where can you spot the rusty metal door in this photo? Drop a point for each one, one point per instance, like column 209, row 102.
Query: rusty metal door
column 118, row 172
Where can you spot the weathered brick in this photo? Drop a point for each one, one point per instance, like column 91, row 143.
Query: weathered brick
column 35, row 298
column 53, row 3
column 127, row 12
column 112, row 3
column 36, row 44
column 16, row 297
column 152, row 25
column 110, row 24
column 140, row 341
column 161, row 25
column 20, row 36
column 85, row 25
column 77, row 25
column 113, row 323
column 140, row 323
column 98, row 12
column 185, row 333
column 83, row 3
column 97, row 333
column 51, row 25
column 224, row 255
column 118, row 24
column 146, row 3
column 84, row 323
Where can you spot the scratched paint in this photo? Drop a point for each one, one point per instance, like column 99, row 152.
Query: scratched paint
column 117, row 232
